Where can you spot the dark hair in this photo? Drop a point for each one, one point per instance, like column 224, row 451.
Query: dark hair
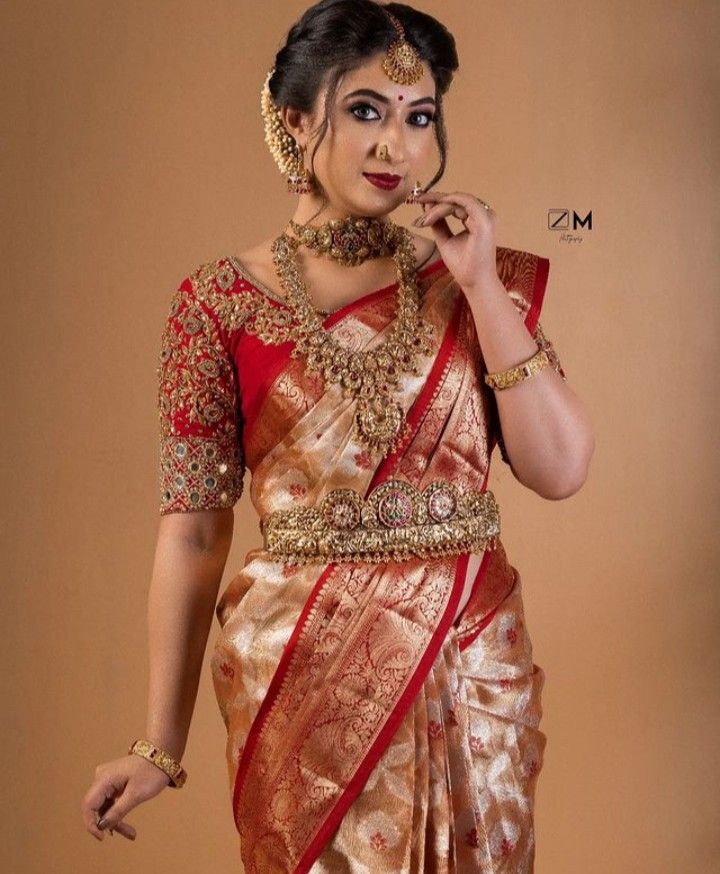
column 334, row 37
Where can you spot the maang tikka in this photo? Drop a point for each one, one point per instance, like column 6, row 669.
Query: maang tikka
column 402, row 64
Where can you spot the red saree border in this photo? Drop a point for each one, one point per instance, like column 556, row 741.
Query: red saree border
column 426, row 396
column 273, row 689
column 354, row 787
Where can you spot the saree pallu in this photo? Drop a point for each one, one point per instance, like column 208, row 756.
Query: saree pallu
column 381, row 717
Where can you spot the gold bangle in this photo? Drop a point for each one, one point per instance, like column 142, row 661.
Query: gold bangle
column 510, row 377
column 163, row 760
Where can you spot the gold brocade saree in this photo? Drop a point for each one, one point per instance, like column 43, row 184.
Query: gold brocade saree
column 381, row 717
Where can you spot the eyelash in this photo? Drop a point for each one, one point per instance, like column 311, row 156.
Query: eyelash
column 429, row 115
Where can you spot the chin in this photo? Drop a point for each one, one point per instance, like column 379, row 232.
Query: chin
column 379, row 210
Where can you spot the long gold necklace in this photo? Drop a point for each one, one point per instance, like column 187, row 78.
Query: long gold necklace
column 368, row 376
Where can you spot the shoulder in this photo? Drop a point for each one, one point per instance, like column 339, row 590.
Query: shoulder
column 212, row 290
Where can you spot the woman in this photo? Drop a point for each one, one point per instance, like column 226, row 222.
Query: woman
column 373, row 669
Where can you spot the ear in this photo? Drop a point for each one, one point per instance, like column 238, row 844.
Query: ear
column 297, row 124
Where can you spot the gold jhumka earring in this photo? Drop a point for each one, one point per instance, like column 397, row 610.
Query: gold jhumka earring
column 286, row 153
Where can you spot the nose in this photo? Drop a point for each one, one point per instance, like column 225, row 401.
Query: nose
column 394, row 137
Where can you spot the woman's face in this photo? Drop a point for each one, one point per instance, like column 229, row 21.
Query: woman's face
column 399, row 116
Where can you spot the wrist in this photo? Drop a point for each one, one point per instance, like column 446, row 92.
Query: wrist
column 486, row 284
column 170, row 744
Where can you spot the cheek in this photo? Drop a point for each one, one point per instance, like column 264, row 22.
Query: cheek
column 345, row 139
column 424, row 148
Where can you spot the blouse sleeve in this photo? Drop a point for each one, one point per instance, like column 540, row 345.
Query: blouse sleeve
column 543, row 343
column 201, row 453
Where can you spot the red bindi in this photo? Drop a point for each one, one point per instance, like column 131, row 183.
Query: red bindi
column 400, row 97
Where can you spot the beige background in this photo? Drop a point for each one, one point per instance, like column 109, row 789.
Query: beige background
column 132, row 152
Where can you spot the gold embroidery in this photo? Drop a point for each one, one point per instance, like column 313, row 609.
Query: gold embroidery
column 201, row 456
column 198, row 473
column 395, row 521
column 214, row 283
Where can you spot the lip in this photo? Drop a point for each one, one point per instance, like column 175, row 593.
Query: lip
column 386, row 181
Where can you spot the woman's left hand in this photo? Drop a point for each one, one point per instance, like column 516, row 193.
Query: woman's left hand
column 469, row 255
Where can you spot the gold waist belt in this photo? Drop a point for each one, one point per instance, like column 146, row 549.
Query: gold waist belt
column 395, row 521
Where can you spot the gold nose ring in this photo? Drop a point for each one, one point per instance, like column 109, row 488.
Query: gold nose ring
column 382, row 152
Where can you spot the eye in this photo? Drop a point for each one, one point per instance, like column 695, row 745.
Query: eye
column 357, row 106
column 429, row 116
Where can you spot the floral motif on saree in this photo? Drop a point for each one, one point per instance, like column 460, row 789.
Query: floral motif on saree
column 381, row 716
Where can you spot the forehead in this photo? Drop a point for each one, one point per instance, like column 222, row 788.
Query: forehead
column 371, row 75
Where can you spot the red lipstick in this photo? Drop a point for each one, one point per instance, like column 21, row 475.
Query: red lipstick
column 387, row 181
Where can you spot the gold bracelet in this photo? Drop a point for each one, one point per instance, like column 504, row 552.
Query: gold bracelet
column 510, row 377
column 163, row 760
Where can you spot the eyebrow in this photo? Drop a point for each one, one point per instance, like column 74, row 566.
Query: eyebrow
column 368, row 92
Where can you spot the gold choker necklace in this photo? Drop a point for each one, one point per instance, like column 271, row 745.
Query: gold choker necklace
column 368, row 376
column 351, row 240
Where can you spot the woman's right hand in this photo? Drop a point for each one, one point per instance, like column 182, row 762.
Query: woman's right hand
column 118, row 787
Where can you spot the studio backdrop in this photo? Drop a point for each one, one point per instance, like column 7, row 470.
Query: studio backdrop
column 132, row 153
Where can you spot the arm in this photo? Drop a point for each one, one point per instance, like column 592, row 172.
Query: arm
column 546, row 429
column 201, row 478
column 190, row 557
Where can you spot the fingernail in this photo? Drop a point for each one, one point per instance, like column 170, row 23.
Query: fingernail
column 101, row 823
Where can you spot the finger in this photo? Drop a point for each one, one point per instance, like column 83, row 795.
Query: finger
column 461, row 197
column 476, row 211
column 468, row 201
column 119, row 800
column 440, row 228
column 115, row 815
column 126, row 830
column 440, row 211
column 97, row 800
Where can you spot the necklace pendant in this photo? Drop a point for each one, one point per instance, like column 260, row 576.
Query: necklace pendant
column 378, row 422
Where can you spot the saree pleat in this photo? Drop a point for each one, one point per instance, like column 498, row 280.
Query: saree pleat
column 377, row 722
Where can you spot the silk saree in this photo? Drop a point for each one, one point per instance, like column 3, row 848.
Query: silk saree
column 380, row 716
